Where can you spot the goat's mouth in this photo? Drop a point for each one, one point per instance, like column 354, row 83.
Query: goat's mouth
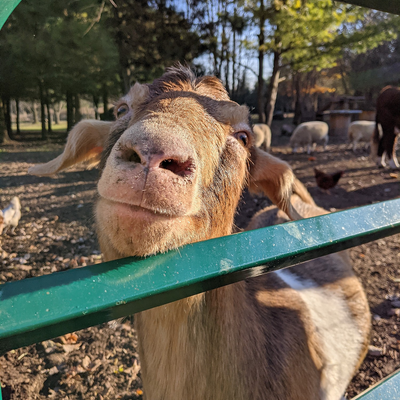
column 133, row 211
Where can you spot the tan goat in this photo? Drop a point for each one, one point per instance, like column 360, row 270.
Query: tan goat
column 173, row 169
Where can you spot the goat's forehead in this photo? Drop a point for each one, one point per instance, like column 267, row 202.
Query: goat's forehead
column 191, row 109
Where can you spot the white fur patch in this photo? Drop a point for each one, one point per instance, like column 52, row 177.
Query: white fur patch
column 341, row 340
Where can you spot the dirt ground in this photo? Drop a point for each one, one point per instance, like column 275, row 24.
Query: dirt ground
column 56, row 233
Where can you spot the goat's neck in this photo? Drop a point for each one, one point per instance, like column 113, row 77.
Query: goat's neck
column 186, row 347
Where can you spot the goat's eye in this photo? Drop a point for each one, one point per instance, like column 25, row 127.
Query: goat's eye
column 122, row 109
column 242, row 137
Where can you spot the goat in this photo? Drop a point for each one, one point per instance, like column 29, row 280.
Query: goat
column 388, row 116
column 262, row 134
column 173, row 168
column 360, row 131
column 309, row 133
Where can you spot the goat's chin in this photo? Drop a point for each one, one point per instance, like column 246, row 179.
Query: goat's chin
column 125, row 230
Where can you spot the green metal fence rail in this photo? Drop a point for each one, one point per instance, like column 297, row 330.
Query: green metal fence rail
column 40, row 308
column 387, row 389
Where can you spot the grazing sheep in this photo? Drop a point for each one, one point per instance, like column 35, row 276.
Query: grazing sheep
column 360, row 131
column 173, row 168
column 262, row 133
column 310, row 133
column 10, row 216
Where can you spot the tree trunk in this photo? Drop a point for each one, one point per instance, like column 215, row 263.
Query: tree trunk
column 126, row 81
column 273, row 88
column 70, row 111
column 234, row 64
column 122, row 52
column 77, row 107
column 260, row 91
column 7, row 117
column 42, row 111
column 17, row 116
column 96, row 106
column 4, row 134
column 105, row 101
column 48, row 109
column 34, row 113
column 56, row 113
column 297, row 107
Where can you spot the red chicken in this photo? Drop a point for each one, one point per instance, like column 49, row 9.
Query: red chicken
column 327, row 181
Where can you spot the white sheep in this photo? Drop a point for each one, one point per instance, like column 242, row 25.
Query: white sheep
column 310, row 133
column 361, row 131
column 262, row 132
column 10, row 216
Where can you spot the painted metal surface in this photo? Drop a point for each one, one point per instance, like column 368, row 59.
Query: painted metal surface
column 40, row 308
column 386, row 389
column 390, row 6
column 6, row 8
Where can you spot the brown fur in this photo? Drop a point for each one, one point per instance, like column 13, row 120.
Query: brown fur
column 172, row 172
column 388, row 116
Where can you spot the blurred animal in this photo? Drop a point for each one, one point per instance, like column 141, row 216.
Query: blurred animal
column 388, row 115
column 309, row 134
column 173, row 169
column 262, row 134
column 287, row 129
column 327, row 181
column 10, row 215
column 361, row 131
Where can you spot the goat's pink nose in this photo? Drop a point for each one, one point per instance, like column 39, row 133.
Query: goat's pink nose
column 179, row 164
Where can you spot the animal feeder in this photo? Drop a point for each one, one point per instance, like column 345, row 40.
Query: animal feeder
column 339, row 121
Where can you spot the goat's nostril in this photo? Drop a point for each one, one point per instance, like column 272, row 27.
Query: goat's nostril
column 183, row 169
column 132, row 156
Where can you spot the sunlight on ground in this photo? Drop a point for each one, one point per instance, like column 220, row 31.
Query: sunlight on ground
column 62, row 126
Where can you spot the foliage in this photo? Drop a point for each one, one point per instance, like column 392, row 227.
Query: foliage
column 54, row 51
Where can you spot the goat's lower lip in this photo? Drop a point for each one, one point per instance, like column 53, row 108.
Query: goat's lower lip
column 137, row 211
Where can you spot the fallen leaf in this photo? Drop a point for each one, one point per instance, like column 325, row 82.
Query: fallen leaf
column 393, row 279
column 71, row 347
column 69, row 338
column 375, row 351
column 312, row 158
column 86, row 362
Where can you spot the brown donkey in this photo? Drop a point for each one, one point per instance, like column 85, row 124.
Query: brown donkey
column 173, row 167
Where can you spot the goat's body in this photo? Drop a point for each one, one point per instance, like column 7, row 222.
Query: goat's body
column 253, row 347
column 173, row 169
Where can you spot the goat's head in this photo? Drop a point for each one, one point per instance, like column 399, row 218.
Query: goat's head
column 173, row 165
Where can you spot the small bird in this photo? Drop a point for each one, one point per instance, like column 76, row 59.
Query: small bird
column 327, row 181
column 10, row 216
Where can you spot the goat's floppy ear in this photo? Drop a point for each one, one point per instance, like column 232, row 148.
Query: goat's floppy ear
column 274, row 178
column 85, row 142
